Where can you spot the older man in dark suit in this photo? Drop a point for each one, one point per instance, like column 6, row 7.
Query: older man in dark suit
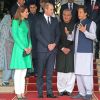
column 47, row 33
column 93, row 7
column 17, row 4
column 73, row 7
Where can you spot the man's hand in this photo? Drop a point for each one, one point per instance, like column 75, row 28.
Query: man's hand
column 51, row 46
column 82, row 28
column 66, row 31
column 65, row 50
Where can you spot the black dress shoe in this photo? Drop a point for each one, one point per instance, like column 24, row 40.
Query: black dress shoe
column 51, row 96
column 28, row 75
column 19, row 98
column 61, row 93
column 68, row 93
column 40, row 96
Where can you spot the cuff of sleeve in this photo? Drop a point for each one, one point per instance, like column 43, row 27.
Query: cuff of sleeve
column 86, row 32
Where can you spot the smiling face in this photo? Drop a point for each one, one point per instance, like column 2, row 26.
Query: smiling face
column 67, row 16
column 33, row 8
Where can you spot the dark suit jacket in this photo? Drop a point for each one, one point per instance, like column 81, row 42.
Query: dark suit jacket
column 94, row 14
column 65, row 63
column 32, row 23
column 14, row 9
column 46, row 34
column 74, row 11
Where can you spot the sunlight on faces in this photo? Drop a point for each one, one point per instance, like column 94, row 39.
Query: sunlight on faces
column 67, row 16
column 24, row 14
column 49, row 9
column 82, row 14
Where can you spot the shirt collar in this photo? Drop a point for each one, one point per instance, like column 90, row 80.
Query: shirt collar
column 94, row 1
column 46, row 17
column 69, row 4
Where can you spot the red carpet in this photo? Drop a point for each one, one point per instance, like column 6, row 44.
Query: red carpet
column 32, row 96
column 98, row 96
column 31, row 89
column 31, row 82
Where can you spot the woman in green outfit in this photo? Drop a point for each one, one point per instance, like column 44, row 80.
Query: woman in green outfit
column 21, row 58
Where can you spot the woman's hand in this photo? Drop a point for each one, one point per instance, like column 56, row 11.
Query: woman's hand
column 28, row 50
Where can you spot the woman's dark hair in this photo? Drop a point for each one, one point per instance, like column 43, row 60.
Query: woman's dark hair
column 20, row 10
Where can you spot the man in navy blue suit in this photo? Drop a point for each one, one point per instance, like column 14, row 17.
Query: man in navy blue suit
column 93, row 7
column 15, row 6
column 73, row 7
column 47, row 34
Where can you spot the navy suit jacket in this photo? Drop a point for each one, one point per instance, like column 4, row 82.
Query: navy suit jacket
column 32, row 22
column 74, row 12
column 46, row 34
column 14, row 9
column 95, row 13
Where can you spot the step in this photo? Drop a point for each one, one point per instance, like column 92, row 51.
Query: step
column 97, row 61
column 7, row 89
column 32, row 79
column 32, row 87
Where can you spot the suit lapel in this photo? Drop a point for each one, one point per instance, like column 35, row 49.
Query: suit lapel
column 44, row 20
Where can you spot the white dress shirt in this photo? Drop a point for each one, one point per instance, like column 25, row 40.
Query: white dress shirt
column 94, row 2
column 46, row 17
column 69, row 5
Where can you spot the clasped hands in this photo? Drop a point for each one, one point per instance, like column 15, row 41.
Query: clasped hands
column 28, row 50
column 65, row 50
column 51, row 46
